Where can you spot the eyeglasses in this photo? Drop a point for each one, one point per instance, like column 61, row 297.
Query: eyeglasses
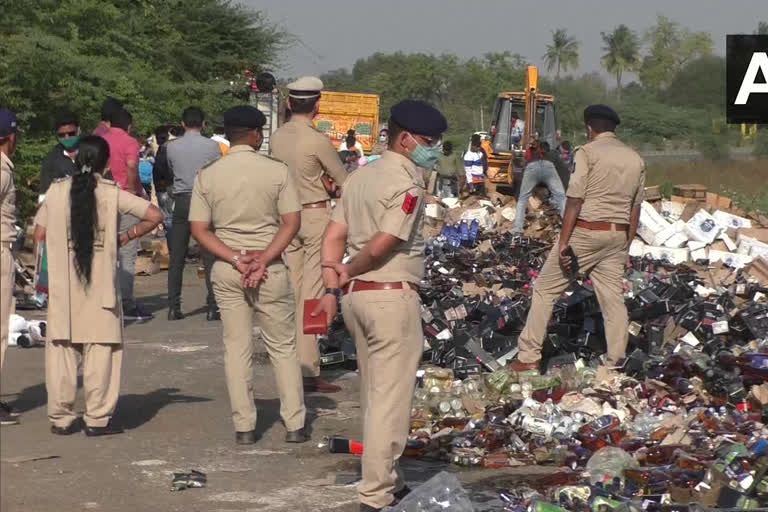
column 63, row 135
column 429, row 141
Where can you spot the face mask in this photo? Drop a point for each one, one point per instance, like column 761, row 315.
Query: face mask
column 382, row 138
column 427, row 157
column 70, row 142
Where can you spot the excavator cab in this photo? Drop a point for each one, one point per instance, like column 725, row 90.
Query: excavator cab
column 537, row 111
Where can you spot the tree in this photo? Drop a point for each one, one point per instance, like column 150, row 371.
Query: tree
column 562, row 53
column 671, row 48
column 699, row 84
column 621, row 49
column 158, row 57
column 762, row 28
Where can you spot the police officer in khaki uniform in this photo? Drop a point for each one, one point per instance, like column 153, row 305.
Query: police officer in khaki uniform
column 311, row 158
column 245, row 211
column 600, row 220
column 78, row 220
column 379, row 221
column 7, row 236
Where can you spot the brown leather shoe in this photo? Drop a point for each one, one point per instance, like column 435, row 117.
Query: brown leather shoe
column 318, row 385
column 519, row 366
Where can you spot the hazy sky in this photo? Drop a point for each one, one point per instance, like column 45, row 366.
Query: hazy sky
column 335, row 33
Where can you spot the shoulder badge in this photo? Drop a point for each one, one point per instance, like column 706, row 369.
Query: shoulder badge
column 409, row 203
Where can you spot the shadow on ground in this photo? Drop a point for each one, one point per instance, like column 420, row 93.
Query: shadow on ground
column 135, row 410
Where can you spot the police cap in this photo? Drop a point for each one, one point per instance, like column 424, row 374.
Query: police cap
column 7, row 122
column 244, row 116
column 305, row 87
column 419, row 117
column 601, row 112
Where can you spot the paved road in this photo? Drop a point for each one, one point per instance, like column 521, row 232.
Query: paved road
column 175, row 409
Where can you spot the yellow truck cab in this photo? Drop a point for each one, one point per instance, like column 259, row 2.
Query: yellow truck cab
column 342, row 111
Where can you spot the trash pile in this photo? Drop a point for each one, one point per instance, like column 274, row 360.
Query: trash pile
column 680, row 421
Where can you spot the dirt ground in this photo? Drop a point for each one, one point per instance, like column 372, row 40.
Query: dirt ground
column 175, row 409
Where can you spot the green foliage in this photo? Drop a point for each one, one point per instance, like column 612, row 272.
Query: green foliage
column 622, row 48
column 157, row 56
column 671, row 48
column 695, row 85
column 762, row 28
column 761, row 143
column 563, row 53
column 713, row 146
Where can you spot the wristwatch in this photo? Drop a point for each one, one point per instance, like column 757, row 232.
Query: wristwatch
column 334, row 291
column 235, row 261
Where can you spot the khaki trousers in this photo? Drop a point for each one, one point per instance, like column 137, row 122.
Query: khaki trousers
column 603, row 255
column 102, row 364
column 273, row 307
column 303, row 259
column 6, row 296
column 386, row 327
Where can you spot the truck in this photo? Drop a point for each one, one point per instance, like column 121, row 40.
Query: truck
column 342, row 111
column 507, row 159
column 265, row 96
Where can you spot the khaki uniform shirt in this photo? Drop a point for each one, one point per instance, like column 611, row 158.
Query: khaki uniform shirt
column 7, row 200
column 309, row 154
column 609, row 177
column 242, row 195
column 76, row 312
column 386, row 196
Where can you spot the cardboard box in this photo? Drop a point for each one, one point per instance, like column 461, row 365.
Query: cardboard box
column 732, row 259
column 703, row 227
column 146, row 266
column 758, row 269
column 759, row 234
column 671, row 210
column 652, row 193
column 692, row 190
column 729, row 220
column 718, row 201
column 651, row 224
column 637, row 249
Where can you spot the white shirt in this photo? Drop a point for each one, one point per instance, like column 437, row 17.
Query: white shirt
column 358, row 147
column 518, row 128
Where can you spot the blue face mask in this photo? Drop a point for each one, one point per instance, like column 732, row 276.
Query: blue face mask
column 426, row 157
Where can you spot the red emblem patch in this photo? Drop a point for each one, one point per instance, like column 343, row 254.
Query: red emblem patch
column 409, row 204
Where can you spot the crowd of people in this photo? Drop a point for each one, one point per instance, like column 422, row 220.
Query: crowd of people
column 272, row 239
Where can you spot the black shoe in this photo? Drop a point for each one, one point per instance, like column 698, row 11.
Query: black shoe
column 297, row 436
column 245, row 437
column 65, row 431
column 368, row 508
column 402, row 493
column 137, row 314
column 7, row 419
column 8, row 409
column 109, row 430
column 213, row 315
column 175, row 314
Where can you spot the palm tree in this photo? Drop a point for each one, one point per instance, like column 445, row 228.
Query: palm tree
column 622, row 49
column 762, row 28
column 562, row 53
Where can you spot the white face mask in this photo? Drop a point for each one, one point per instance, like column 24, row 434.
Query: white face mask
column 382, row 138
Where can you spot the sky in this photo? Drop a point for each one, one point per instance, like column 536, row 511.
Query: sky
column 335, row 33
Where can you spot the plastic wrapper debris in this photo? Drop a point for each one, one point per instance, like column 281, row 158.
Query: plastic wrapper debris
column 671, row 210
column 608, row 463
column 651, row 224
column 193, row 479
column 730, row 259
column 26, row 333
column 673, row 256
column 441, row 493
column 482, row 215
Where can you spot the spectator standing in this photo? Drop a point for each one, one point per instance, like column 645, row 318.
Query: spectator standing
column 381, row 145
column 186, row 156
column 7, row 237
column 516, row 129
column 474, row 166
column 218, row 136
column 124, row 164
column 350, row 143
column 60, row 161
column 108, row 109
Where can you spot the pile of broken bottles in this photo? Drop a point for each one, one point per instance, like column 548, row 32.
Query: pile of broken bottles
column 683, row 413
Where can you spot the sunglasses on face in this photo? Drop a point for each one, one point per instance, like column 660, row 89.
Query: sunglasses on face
column 63, row 135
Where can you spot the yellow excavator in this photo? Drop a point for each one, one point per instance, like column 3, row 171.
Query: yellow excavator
column 509, row 139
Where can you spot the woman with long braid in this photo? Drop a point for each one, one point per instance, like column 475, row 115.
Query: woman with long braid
column 78, row 222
